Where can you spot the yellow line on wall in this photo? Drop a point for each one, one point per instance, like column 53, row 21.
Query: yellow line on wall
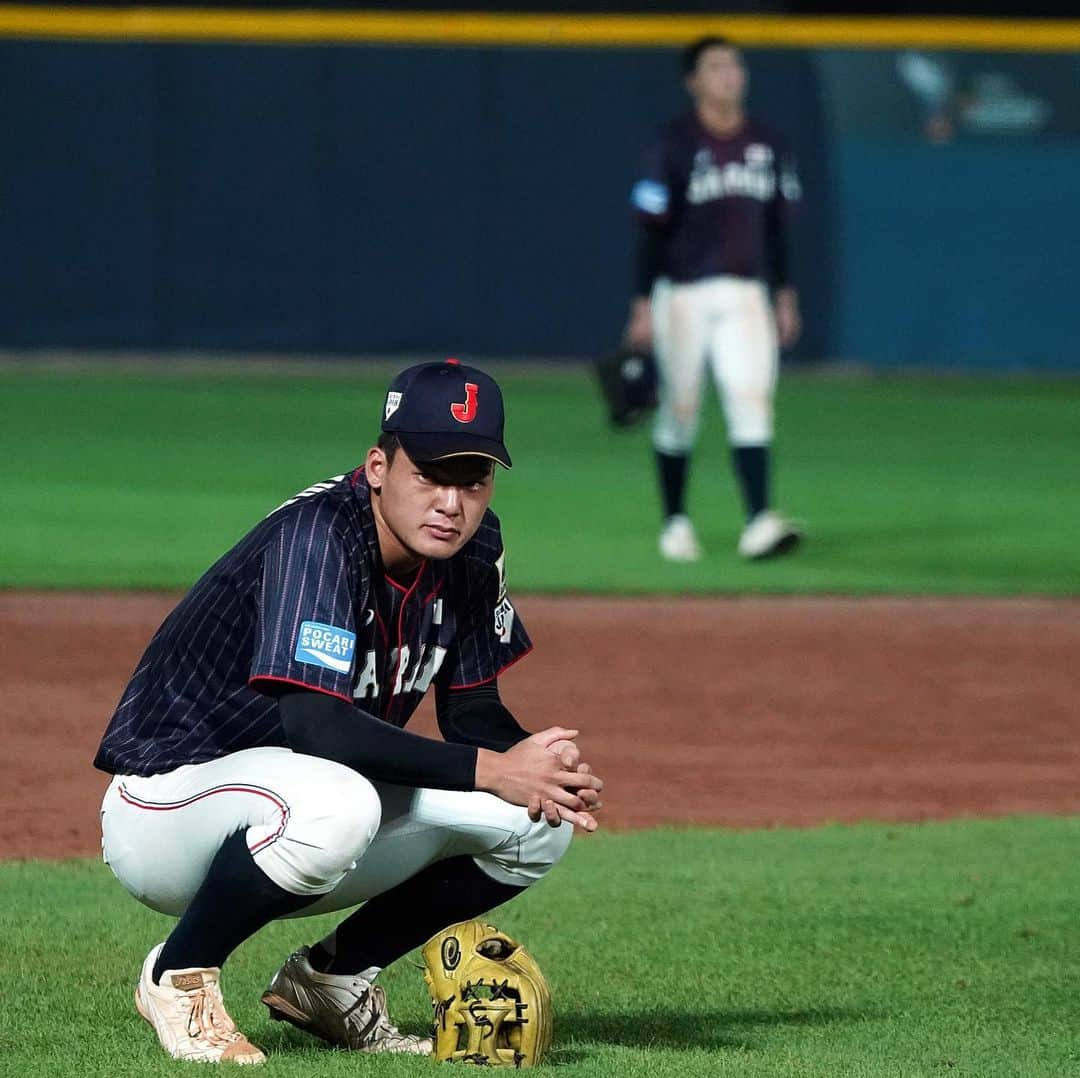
column 537, row 30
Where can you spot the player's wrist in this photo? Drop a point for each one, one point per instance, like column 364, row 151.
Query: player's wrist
column 486, row 770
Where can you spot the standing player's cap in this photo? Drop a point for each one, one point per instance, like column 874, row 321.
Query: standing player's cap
column 441, row 410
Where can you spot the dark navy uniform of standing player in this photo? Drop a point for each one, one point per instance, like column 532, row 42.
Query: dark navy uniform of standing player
column 713, row 287
column 721, row 204
column 260, row 769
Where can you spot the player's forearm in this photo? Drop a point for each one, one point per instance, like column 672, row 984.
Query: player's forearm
column 319, row 725
column 649, row 258
column 478, row 717
column 778, row 251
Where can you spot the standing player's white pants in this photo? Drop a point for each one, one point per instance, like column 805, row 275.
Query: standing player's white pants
column 729, row 322
column 313, row 826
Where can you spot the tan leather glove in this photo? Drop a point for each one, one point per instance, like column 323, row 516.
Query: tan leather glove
column 492, row 1003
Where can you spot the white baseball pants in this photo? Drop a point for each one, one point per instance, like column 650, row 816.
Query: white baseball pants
column 313, row 826
column 729, row 323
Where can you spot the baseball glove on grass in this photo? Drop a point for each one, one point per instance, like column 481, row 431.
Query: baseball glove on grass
column 492, row 1004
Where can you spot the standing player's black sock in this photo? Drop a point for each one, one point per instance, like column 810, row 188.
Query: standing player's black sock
column 752, row 468
column 234, row 901
column 672, row 468
column 393, row 923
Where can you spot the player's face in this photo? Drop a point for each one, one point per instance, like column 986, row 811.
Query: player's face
column 719, row 78
column 427, row 510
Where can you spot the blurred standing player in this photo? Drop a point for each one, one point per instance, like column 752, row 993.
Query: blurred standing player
column 260, row 766
column 712, row 204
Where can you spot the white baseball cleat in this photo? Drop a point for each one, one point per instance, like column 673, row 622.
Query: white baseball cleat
column 678, row 541
column 345, row 1010
column 768, row 535
column 189, row 1016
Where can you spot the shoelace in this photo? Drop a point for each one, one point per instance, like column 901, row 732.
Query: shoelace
column 208, row 1022
column 381, row 1018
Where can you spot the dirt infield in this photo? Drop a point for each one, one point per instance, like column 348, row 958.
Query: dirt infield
column 741, row 712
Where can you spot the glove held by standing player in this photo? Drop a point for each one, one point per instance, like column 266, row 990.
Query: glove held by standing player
column 492, row 1004
column 628, row 384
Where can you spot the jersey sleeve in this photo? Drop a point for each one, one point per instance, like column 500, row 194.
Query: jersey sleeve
column 651, row 200
column 779, row 217
column 790, row 188
column 491, row 635
column 651, row 194
column 306, row 633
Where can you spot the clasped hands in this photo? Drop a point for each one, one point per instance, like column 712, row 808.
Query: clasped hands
column 546, row 774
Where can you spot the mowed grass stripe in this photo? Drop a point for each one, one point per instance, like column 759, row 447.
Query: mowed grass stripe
column 122, row 478
column 866, row 951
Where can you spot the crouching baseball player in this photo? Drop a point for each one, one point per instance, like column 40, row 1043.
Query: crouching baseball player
column 260, row 766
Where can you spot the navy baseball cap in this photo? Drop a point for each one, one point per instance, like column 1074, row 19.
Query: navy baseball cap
column 441, row 410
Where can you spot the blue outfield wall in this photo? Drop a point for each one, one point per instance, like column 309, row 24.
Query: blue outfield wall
column 355, row 199
column 963, row 256
column 340, row 199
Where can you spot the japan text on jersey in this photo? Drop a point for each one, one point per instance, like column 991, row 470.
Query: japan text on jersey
column 302, row 601
column 753, row 177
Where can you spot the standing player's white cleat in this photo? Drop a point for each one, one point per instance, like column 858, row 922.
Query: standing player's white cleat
column 768, row 535
column 678, row 541
column 189, row 1016
column 345, row 1010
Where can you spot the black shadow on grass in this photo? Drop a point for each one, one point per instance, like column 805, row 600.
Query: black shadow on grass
column 653, row 1029
column 683, row 1029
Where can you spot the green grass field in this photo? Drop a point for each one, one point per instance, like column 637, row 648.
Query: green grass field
column 127, row 478
column 870, row 951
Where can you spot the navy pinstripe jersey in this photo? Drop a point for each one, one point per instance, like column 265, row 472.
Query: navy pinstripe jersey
column 303, row 599
column 724, row 202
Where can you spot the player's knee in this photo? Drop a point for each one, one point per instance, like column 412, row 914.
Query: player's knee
column 674, row 432
column 345, row 818
column 545, row 845
column 750, row 420
column 529, row 853
column 327, row 832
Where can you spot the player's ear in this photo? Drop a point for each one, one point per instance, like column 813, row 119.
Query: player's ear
column 375, row 467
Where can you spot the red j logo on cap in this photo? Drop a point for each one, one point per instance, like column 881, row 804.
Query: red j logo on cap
column 466, row 413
